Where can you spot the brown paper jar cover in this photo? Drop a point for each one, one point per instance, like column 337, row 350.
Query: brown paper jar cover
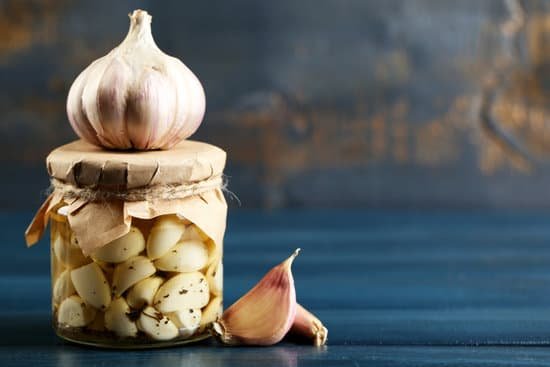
column 83, row 166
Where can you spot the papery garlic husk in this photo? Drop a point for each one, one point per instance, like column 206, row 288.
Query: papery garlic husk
column 307, row 327
column 136, row 97
column 263, row 315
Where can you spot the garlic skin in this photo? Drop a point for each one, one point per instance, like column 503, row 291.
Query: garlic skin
column 265, row 314
column 136, row 96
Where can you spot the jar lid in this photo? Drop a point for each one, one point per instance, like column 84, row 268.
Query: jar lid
column 85, row 165
column 109, row 188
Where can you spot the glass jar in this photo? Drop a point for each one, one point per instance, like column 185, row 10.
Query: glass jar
column 160, row 284
column 134, row 273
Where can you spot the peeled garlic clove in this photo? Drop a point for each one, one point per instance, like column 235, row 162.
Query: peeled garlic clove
column 68, row 252
column 63, row 287
column 193, row 232
column 121, row 249
column 117, row 320
column 186, row 256
column 214, row 274
column 56, row 266
column 143, row 292
column 130, row 272
column 308, row 327
column 263, row 315
column 92, row 286
column 211, row 312
column 187, row 321
column 164, row 235
column 73, row 311
column 156, row 325
column 183, row 291
column 214, row 251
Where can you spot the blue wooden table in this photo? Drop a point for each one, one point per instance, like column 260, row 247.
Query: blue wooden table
column 393, row 288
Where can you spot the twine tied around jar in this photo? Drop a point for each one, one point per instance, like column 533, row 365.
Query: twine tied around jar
column 148, row 193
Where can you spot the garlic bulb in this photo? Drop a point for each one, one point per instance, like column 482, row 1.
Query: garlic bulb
column 136, row 96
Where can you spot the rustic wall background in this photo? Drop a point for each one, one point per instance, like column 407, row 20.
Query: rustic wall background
column 318, row 102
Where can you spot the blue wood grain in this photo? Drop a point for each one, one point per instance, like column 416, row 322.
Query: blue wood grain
column 405, row 288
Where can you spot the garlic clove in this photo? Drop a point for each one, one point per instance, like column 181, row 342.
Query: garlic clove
column 164, row 235
column 75, row 110
column 183, row 291
column 187, row 321
column 56, row 266
column 111, row 104
column 130, row 272
column 63, row 287
column 214, row 251
column 117, row 320
column 194, row 115
column 193, row 232
column 263, row 315
column 308, row 327
column 143, row 292
column 74, row 312
column 121, row 249
column 92, row 286
column 214, row 274
column 68, row 252
column 152, row 105
column 156, row 325
column 186, row 256
column 90, row 97
column 212, row 312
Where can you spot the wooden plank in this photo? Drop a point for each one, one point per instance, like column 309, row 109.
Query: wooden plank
column 57, row 353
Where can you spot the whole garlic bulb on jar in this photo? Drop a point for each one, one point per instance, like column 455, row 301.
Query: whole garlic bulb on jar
column 136, row 96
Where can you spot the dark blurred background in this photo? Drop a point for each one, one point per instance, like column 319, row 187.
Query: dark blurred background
column 319, row 103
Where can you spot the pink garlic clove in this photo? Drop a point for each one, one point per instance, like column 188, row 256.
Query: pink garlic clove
column 265, row 314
